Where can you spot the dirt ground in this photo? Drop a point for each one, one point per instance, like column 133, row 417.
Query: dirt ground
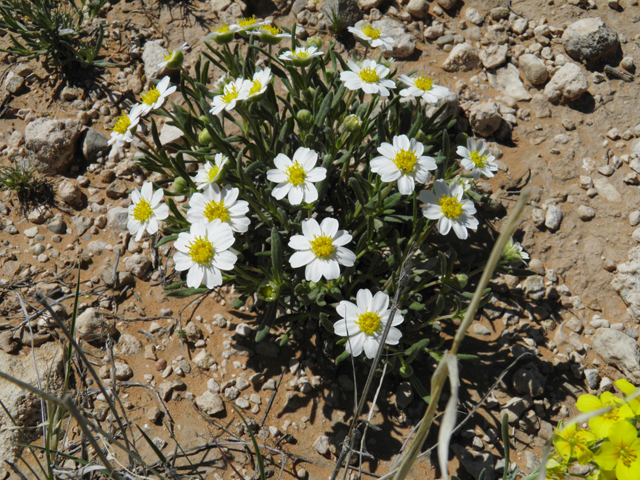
column 583, row 255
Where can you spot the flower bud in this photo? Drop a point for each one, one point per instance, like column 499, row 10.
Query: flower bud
column 462, row 279
column 406, row 371
column 314, row 42
column 180, row 185
column 513, row 253
column 305, row 117
column 353, row 123
column 205, row 119
column 205, row 137
column 308, row 94
column 330, row 73
column 421, row 137
column 268, row 291
column 177, row 58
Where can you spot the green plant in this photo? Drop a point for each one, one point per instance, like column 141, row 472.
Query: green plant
column 24, row 181
column 54, row 30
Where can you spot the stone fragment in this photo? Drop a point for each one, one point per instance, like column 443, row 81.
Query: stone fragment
column 493, row 56
column 589, row 39
column 586, row 213
column 204, row 360
column 567, row 84
column 14, row 84
column 533, row 69
column 484, row 118
column 91, row 326
column 540, row 106
column 347, row 10
column 152, row 55
column 473, row 16
column 529, row 381
column 210, row 403
column 463, row 57
column 69, row 192
column 127, row 345
column 417, row 8
column 534, row 288
column 94, row 143
column 553, row 217
column 117, row 218
column 606, row 190
column 137, row 265
column 321, row 445
column 616, row 348
column 404, row 395
column 507, row 81
column 52, row 142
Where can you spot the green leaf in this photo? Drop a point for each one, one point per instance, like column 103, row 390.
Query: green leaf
column 342, row 357
column 416, row 306
column 167, row 239
column 416, row 347
column 173, row 286
column 326, row 323
column 153, row 446
column 268, row 320
column 276, row 250
column 187, row 292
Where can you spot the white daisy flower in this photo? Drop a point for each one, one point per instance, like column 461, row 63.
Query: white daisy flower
column 218, row 85
column 173, row 60
column 210, row 173
column 365, row 321
column 221, row 35
column 145, row 210
column 204, row 251
column 258, row 84
column 270, row 34
column 122, row 131
column 154, row 98
column 301, row 56
column 249, row 23
column 514, row 253
column 296, row 177
column 321, row 249
column 369, row 77
column 231, row 94
column 372, row 36
column 403, row 161
column 477, row 158
column 215, row 204
column 422, row 87
column 464, row 182
column 447, row 206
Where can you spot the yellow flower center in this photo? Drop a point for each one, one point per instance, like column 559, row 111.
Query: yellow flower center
column 371, row 32
column 142, row 212
column 272, row 29
column 257, row 86
column 223, row 29
column 122, row 124
column 212, row 173
column 405, row 160
column 248, row 21
column 215, row 210
column 168, row 56
column 201, row 251
column 150, row 97
column 300, row 54
column 296, row 174
column 322, row 247
column 369, row 322
column 369, row 75
column 627, row 457
column 478, row 160
column 230, row 93
column 424, row 83
column 451, row 207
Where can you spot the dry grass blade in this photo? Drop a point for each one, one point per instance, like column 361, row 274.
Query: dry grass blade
column 448, row 423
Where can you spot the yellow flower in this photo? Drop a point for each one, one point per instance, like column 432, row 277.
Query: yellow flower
column 628, row 389
column 621, row 452
column 555, row 470
column 571, row 442
column 601, row 425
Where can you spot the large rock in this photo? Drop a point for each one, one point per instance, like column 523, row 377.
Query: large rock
column 484, row 118
column 210, row 403
column 475, row 462
column 462, row 58
column 52, row 142
column 589, row 39
column 94, row 143
column 347, row 11
column 627, row 283
column 618, row 349
column 567, row 84
column 152, row 55
column 404, row 42
column 45, row 372
column 69, row 192
column 91, row 326
column 507, row 80
column 493, row 56
column 137, row 265
column 117, row 219
column 533, row 69
column 417, row 8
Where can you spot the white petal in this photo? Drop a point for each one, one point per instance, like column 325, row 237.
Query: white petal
column 380, row 302
column 394, row 336
column 460, row 231
column 329, row 227
column 296, row 195
column 301, row 258
column 406, row 185
column 313, row 271
column 444, row 225
column 311, row 229
column 347, row 310
column 341, row 238
column 370, row 347
column 195, row 276
column 299, row 242
column 331, row 269
column 182, row 262
column 281, row 190
column 345, row 256
column 364, row 299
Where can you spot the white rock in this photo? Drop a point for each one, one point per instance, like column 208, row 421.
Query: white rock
column 533, row 69
column 589, row 39
column 567, row 84
column 553, row 217
column 204, row 360
column 484, row 118
column 52, row 142
column 137, row 265
column 507, row 81
column 493, row 56
column 473, row 16
column 463, row 57
column 417, row 8
column 607, row 190
column 91, row 326
column 210, row 403
column 586, row 213
column 620, row 350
